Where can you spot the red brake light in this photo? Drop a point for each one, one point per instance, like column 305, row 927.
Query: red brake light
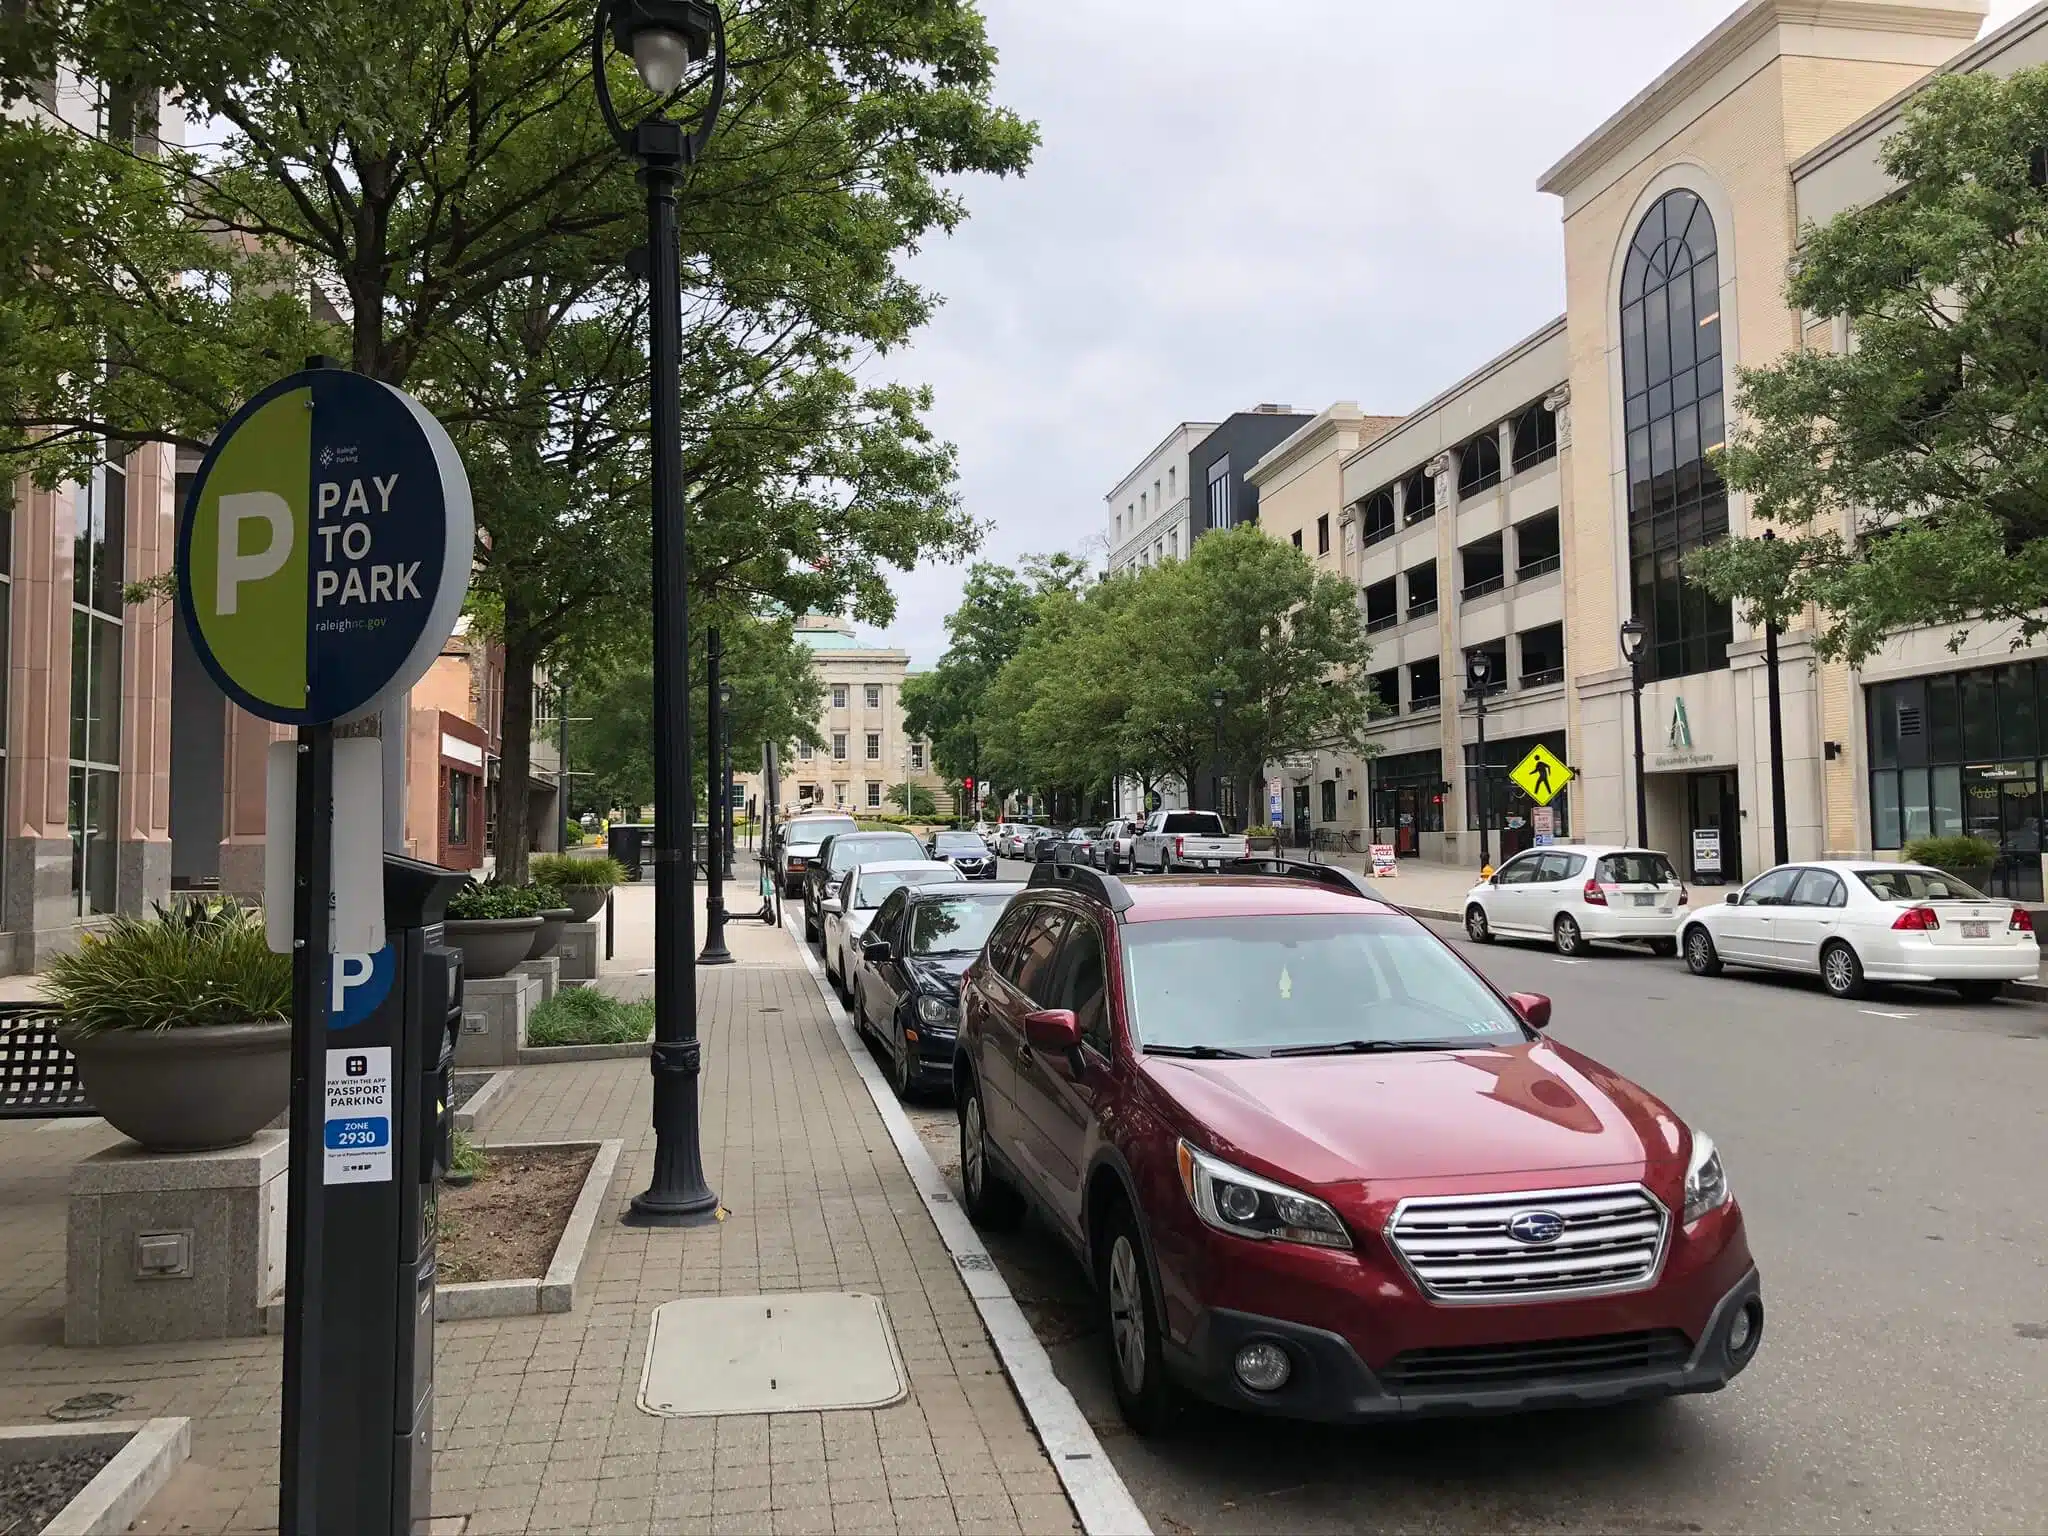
column 1180, row 846
column 1595, row 897
column 1917, row 920
column 2022, row 920
column 1684, row 895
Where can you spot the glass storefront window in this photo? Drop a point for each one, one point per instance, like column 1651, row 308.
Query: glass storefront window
column 99, row 532
column 1948, row 803
column 1884, row 809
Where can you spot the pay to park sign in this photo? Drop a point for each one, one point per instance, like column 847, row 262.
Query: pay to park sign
column 325, row 548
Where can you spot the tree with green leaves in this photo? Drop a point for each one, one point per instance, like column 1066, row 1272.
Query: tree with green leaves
column 1906, row 478
column 913, row 800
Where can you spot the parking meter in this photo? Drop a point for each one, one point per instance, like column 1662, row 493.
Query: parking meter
column 392, row 1026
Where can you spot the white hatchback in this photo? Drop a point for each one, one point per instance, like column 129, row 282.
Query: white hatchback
column 1575, row 893
column 1852, row 923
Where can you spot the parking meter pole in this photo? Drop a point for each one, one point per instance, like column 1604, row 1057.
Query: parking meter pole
column 299, row 1497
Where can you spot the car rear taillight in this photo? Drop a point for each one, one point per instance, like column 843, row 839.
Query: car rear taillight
column 1595, row 897
column 1684, row 895
column 1180, row 847
column 1917, row 920
column 2022, row 921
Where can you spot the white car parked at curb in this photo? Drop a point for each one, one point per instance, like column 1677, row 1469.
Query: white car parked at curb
column 1574, row 894
column 851, row 906
column 1853, row 923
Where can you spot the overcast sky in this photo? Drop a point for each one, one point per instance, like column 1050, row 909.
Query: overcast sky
column 1297, row 201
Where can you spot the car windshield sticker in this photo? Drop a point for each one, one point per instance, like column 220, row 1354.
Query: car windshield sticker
column 1286, row 984
column 1482, row 1027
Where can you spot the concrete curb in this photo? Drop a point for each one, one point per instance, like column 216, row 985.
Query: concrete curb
column 1093, row 1486
column 546, row 1055
column 146, row 1453
column 495, row 1083
column 556, row 1290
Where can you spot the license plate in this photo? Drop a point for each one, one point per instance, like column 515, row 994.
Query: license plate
column 1976, row 930
column 1646, row 901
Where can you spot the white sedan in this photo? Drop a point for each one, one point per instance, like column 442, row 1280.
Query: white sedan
column 851, row 907
column 1853, row 923
column 1575, row 893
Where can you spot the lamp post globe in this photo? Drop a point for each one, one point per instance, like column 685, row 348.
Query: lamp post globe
column 663, row 38
column 1633, row 633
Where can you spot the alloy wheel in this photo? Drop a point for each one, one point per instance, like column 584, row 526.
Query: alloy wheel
column 1475, row 924
column 1569, row 940
column 1840, row 971
column 971, row 1171
column 1127, row 1314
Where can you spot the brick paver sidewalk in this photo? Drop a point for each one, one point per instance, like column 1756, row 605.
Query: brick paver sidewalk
column 536, row 1425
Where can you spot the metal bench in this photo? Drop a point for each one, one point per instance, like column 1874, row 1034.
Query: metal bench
column 38, row 1078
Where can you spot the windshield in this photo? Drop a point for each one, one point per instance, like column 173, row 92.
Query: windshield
column 872, row 848
column 957, row 925
column 1916, row 885
column 1194, row 824
column 1255, row 984
column 808, row 834
column 958, row 842
column 873, row 890
column 1636, row 869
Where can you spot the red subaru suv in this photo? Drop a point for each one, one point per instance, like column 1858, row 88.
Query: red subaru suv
column 1319, row 1167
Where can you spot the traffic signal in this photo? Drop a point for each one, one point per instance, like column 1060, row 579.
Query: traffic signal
column 968, row 785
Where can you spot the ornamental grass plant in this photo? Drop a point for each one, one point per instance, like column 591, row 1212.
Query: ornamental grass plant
column 189, row 964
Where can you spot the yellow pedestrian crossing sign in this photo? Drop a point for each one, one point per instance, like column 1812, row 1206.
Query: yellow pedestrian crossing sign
column 1541, row 776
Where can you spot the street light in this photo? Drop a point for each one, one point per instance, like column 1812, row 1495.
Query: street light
column 663, row 38
column 1216, row 751
column 715, row 952
column 1478, row 665
column 1633, row 635
column 725, row 836
column 1781, row 841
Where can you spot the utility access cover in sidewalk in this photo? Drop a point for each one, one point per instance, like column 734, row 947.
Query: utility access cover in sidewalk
column 799, row 1352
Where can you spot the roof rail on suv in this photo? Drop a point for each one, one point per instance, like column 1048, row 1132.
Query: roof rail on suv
column 1085, row 877
column 1334, row 877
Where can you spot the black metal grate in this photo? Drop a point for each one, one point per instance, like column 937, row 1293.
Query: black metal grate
column 38, row 1077
column 1528, row 1365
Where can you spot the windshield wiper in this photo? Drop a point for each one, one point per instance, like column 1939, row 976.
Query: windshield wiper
column 1199, row 1052
column 1368, row 1047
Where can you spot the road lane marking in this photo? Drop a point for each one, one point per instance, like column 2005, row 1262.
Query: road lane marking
column 1560, row 960
column 1879, row 1013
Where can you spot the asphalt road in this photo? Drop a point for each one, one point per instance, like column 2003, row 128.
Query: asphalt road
column 1891, row 1157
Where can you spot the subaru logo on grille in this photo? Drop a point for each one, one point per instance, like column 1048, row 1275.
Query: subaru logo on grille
column 1536, row 1226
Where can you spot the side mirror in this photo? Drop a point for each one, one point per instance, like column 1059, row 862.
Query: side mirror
column 830, row 904
column 1534, row 1008
column 873, row 947
column 1735, row 898
column 1053, row 1030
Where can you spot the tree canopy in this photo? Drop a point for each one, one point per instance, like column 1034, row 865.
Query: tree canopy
column 1906, row 477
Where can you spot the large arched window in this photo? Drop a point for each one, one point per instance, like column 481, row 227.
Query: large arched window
column 1671, row 384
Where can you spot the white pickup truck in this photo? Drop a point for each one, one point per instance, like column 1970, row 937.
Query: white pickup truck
column 1185, row 840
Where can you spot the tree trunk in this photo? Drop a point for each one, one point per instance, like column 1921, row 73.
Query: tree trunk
column 515, row 765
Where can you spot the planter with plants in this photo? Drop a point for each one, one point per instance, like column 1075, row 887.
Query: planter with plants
column 493, row 926
column 583, row 883
column 1969, row 859
column 555, row 913
column 181, row 1024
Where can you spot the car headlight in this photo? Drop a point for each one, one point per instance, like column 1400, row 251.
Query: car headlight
column 1245, row 1205
column 936, row 1010
column 1706, row 1183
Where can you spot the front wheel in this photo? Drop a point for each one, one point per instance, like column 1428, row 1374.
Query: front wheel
column 1701, row 958
column 1565, row 934
column 1841, row 972
column 903, row 1076
column 1148, row 1399
column 1476, row 926
column 989, row 1202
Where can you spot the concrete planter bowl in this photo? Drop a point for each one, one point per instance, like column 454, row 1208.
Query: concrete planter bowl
column 585, row 901
column 491, row 946
column 186, row 1090
column 552, row 921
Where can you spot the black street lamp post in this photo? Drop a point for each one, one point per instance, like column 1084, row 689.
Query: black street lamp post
column 1633, row 634
column 663, row 38
column 1216, row 702
column 1781, row 841
column 725, row 778
column 1479, row 665
column 715, row 695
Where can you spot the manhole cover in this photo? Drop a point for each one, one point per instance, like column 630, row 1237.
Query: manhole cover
column 977, row 1261
column 798, row 1353
column 89, row 1405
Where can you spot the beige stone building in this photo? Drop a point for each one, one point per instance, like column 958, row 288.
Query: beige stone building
column 1680, row 215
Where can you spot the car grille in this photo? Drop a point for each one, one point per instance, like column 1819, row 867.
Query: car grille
column 1475, row 1368
column 1460, row 1247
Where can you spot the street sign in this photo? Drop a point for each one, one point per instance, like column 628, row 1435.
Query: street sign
column 325, row 548
column 1541, row 775
column 1543, row 825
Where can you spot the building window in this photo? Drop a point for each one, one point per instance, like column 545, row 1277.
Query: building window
column 1173, row 543
column 99, row 535
column 1421, row 590
column 459, row 791
column 1537, row 551
column 874, row 695
column 1535, row 437
column 1408, row 796
column 1479, row 463
column 839, row 695
column 1219, row 493
column 1297, row 538
column 1381, row 609
column 1329, row 799
column 803, row 750
column 1419, row 498
column 1376, row 516
column 1542, row 655
column 1671, row 384
column 874, row 746
column 1425, row 684
column 917, row 756
column 1156, row 502
column 1171, row 475
column 1323, row 534
column 839, row 795
column 839, row 746
column 874, row 794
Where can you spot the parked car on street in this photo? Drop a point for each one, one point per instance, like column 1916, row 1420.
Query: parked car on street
column 850, row 905
column 1185, row 840
column 966, row 852
column 1321, row 1168
column 906, row 977
column 1046, row 844
column 1012, row 837
column 1854, row 924
column 841, row 852
column 1574, row 894
column 798, row 842
column 1077, row 846
column 1113, row 846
